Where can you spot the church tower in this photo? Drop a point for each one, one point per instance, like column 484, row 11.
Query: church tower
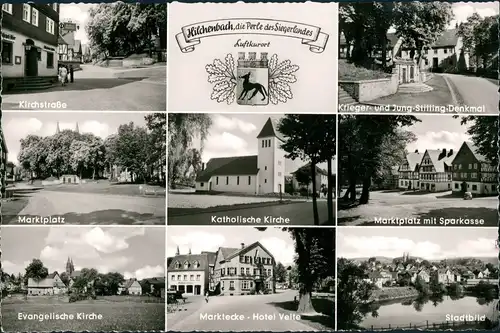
column 58, row 130
column 270, row 159
column 77, row 129
column 70, row 268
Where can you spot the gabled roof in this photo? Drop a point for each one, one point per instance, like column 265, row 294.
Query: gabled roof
column 127, row 284
column 308, row 167
column 439, row 164
column 245, row 250
column 229, row 166
column 202, row 259
column 270, row 129
column 211, row 256
column 414, row 160
column 474, row 150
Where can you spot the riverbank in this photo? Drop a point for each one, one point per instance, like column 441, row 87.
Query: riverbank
column 393, row 293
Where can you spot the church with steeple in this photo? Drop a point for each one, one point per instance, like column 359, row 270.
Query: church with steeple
column 256, row 174
column 58, row 130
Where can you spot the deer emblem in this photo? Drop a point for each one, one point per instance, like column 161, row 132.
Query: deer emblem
column 252, row 86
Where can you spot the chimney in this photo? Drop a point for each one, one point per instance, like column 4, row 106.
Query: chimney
column 202, row 166
column 450, row 152
column 416, row 151
column 442, row 155
column 242, row 245
column 444, row 151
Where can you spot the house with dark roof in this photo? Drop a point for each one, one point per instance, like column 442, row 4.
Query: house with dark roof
column 190, row 273
column 130, row 287
column 153, row 286
column 257, row 174
column 446, row 52
column 408, row 177
column 245, row 270
column 472, row 172
column 321, row 178
column 435, row 171
column 51, row 285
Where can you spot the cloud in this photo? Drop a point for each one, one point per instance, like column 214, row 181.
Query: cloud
column 197, row 241
column 361, row 247
column 282, row 251
column 463, row 10
column 18, row 128
column 227, row 124
column 224, row 145
column 439, row 140
column 146, row 272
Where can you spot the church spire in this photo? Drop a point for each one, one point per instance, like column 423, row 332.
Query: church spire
column 177, row 252
column 189, row 251
column 57, row 132
column 77, row 129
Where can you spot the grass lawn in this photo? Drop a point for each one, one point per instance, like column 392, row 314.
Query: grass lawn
column 105, row 187
column 131, row 315
column 389, row 204
column 12, row 206
column 351, row 72
column 440, row 95
column 179, row 201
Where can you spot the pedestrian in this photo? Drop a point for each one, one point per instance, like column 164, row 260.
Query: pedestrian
column 71, row 71
column 63, row 73
column 207, row 296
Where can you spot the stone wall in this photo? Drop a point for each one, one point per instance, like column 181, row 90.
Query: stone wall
column 367, row 90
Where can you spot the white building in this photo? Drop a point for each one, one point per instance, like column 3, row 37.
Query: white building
column 260, row 174
column 436, row 170
column 321, row 178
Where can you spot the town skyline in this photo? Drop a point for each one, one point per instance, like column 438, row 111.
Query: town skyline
column 236, row 135
column 108, row 249
column 276, row 241
column 18, row 125
column 423, row 242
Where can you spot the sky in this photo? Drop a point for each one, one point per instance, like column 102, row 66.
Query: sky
column 438, row 132
column 17, row 125
column 133, row 251
column 462, row 10
column 76, row 13
column 277, row 242
column 236, row 135
column 427, row 243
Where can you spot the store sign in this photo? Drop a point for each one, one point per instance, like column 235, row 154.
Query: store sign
column 49, row 48
column 8, row 36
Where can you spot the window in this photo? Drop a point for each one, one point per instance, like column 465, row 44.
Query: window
column 177, row 265
column 50, row 60
column 426, row 62
column 34, row 16
column 7, row 7
column 217, row 180
column 265, row 167
column 249, row 180
column 445, row 51
column 227, row 180
column 242, row 271
column 223, row 271
column 196, row 264
column 202, row 184
column 456, row 185
column 191, row 278
column 263, row 143
column 470, row 166
column 237, row 180
column 279, row 162
column 26, row 13
column 49, row 26
column 265, row 181
column 474, row 187
column 231, row 285
column 475, row 166
column 172, row 278
column 178, row 277
column 54, row 6
column 198, row 277
column 186, row 265
column 247, row 270
column 435, row 51
column 279, row 174
column 7, row 50
column 185, row 277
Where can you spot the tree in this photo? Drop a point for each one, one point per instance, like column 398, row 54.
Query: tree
column 280, row 272
column 365, row 145
column 420, row 24
column 303, row 177
column 309, row 138
column 483, row 132
column 65, row 278
column 466, row 31
column 315, row 260
column 183, row 128
column 131, row 147
column 353, row 294
column 36, row 270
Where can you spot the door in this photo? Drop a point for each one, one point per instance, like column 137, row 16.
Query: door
column 412, row 73
column 435, row 62
column 31, row 61
column 197, row 290
column 189, row 289
column 404, row 76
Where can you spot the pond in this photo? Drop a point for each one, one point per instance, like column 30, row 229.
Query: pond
column 420, row 311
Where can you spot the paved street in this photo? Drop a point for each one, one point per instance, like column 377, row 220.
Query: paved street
column 248, row 306
column 299, row 213
column 92, row 208
column 475, row 91
column 100, row 88
column 387, row 204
